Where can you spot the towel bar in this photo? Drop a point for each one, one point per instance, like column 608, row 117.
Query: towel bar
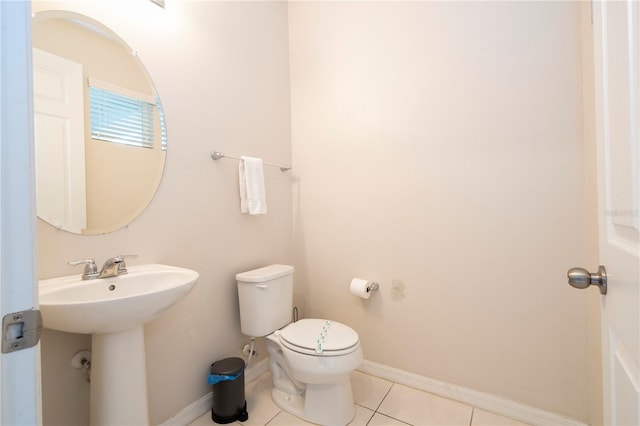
column 215, row 155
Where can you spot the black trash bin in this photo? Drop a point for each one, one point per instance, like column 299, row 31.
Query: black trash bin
column 227, row 378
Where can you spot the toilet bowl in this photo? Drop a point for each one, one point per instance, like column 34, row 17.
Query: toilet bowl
column 310, row 360
column 311, row 377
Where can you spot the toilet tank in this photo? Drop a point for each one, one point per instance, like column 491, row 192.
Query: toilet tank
column 265, row 296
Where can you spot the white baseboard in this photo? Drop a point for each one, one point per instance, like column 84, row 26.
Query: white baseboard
column 257, row 370
column 495, row 404
column 191, row 412
column 199, row 408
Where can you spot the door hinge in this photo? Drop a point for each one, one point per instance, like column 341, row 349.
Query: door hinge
column 21, row 330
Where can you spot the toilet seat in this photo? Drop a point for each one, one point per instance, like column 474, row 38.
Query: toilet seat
column 319, row 337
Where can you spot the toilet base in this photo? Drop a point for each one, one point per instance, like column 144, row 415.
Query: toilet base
column 323, row 404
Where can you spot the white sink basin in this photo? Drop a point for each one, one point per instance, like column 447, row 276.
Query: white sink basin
column 111, row 304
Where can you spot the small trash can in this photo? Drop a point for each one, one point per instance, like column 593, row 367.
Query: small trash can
column 227, row 378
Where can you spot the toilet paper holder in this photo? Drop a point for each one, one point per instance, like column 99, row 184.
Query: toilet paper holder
column 373, row 286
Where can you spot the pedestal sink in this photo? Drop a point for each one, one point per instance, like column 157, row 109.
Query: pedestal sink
column 113, row 310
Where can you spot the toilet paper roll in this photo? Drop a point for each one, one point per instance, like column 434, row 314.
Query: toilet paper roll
column 359, row 288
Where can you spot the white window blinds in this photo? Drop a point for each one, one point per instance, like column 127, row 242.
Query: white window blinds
column 121, row 118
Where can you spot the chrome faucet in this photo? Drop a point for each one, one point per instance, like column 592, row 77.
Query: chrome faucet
column 90, row 268
column 112, row 267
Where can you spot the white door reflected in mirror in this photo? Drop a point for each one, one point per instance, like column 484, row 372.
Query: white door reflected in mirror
column 59, row 136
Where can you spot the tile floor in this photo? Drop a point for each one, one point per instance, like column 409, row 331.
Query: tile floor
column 379, row 402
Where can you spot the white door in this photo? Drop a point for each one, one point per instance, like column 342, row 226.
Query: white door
column 19, row 370
column 617, row 89
column 59, row 134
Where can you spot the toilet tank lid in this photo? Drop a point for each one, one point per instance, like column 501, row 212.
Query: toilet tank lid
column 264, row 274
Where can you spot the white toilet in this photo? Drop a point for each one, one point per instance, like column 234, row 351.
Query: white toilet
column 311, row 359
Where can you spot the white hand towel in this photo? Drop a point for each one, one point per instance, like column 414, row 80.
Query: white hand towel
column 252, row 193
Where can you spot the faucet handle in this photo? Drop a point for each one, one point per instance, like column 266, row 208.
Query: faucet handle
column 122, row 267
column 90, row 268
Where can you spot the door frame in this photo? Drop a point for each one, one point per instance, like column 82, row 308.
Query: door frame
column 20, row 389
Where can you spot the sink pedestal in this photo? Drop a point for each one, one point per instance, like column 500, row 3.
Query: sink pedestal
column 119, row 378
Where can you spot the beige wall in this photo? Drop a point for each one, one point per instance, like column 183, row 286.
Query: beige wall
column 221, row 70
column 438, row 149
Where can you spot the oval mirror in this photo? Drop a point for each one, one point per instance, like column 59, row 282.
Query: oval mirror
column 100, row 135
